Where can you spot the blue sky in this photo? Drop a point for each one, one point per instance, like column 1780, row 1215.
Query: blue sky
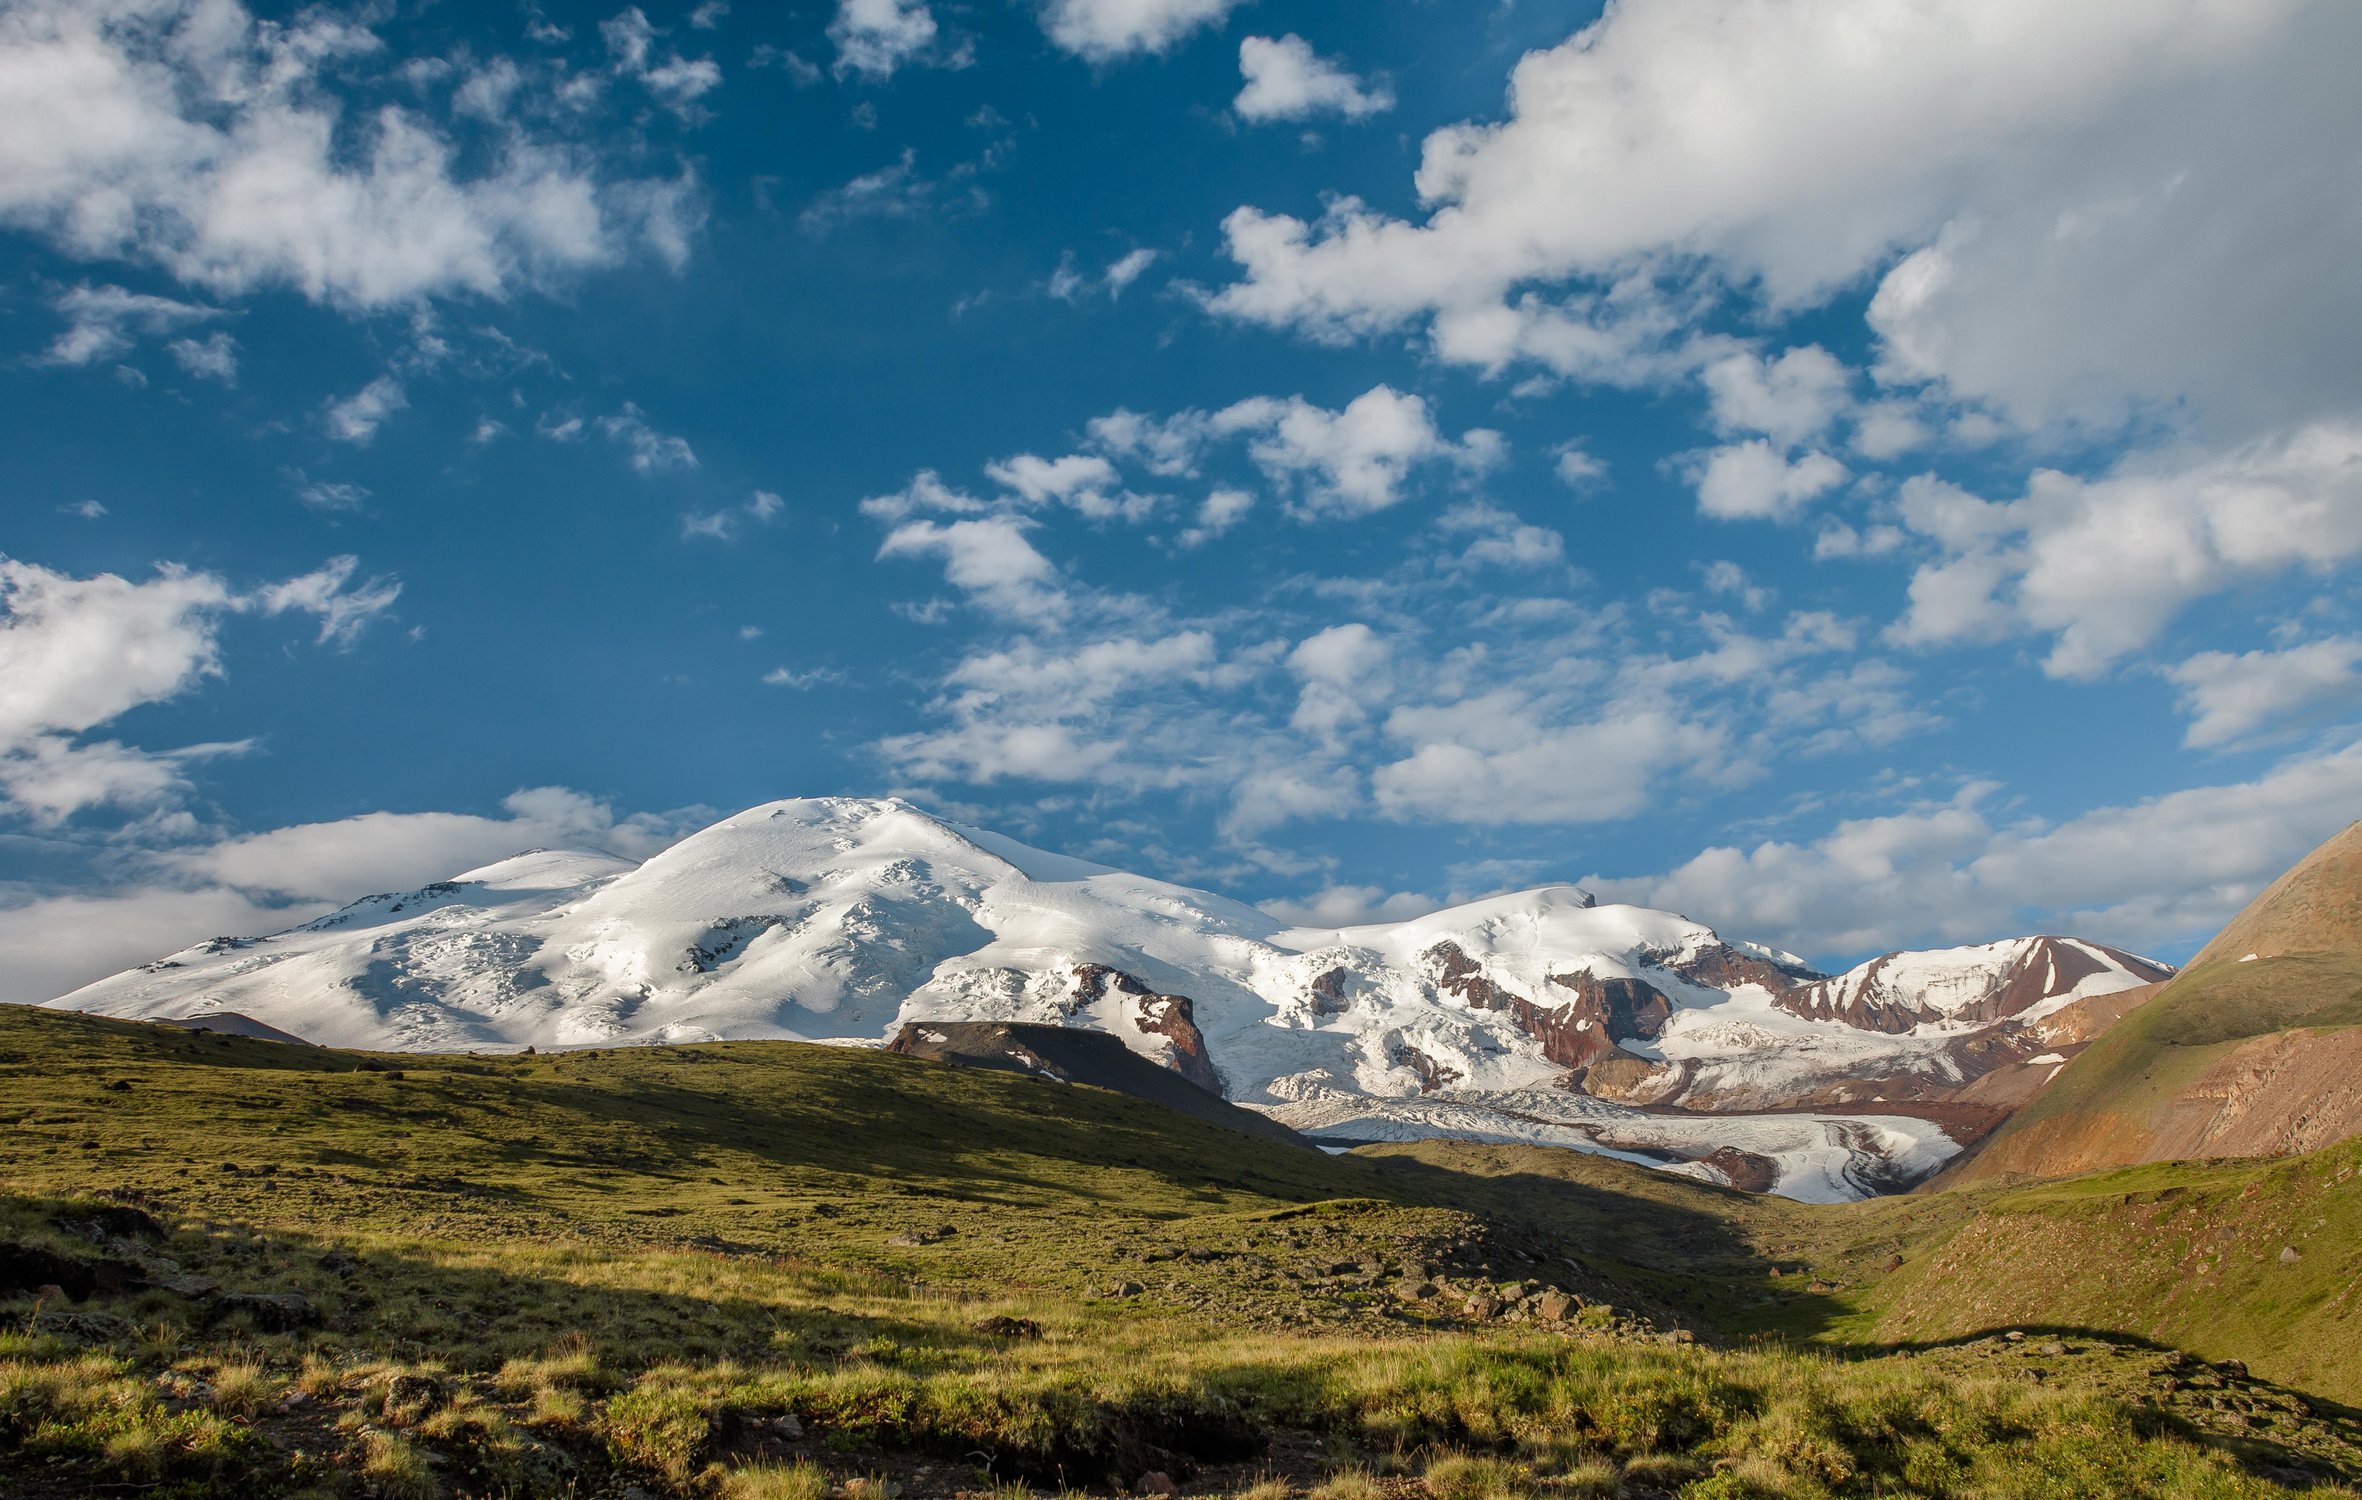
column 1858, row 474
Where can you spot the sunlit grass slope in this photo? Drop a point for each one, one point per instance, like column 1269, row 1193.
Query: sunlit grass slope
column 770, row 1270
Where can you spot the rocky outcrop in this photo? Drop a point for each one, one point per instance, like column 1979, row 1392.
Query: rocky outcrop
column 1431, row 1074
column 1458, row 974
column 1173, row 1017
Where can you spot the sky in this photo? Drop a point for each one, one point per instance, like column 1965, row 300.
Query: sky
column 1860, row 473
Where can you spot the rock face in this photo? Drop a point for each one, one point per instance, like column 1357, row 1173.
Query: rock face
column 1169, row 1016
column 2254, row 1050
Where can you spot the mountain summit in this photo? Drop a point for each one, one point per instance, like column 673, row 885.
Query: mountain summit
column 1539, row 1016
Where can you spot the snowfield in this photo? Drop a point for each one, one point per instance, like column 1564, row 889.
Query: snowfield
column 839, row 920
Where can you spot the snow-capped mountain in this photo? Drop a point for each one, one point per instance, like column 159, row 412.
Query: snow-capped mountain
column 1536, row 1016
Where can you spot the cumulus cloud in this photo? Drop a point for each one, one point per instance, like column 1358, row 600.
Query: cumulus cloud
column 875, row 37
column 1287, row 80
column 2102, row 565
column 1790, row 399
column 989, row 559
column 2070, row 213
column 1755, row 481
column 2229, row 696
column 1104, row 30
column 77, row 653
column 2159, row 874
column 1355, row 460
column 194, row 138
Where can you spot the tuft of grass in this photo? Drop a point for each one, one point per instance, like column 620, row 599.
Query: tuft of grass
column 796, row 1481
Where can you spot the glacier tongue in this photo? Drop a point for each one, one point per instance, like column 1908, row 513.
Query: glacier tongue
column 840, row 919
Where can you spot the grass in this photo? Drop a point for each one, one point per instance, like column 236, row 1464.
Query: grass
column 670, row 1270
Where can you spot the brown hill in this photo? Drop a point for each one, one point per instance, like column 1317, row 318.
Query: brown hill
column 2254, row 1050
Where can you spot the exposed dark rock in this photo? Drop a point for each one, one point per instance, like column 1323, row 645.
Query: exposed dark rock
column 272, row 1312
column 1432, row 1075
column 1328, row 992
column 1071, row 1054
column 1004, row 1327
column 1173, row 1017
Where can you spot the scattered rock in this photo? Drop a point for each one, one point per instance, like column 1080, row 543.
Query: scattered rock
column 2054, row 1348
column 1126, row 1289
column 1893, row 1263
column 790, row 1427
column 2289, row 1255
column 2015, row 1336
column 1483, row 1307
column 1156, row 1483
column 1556, row 1306
column 1009, row 1328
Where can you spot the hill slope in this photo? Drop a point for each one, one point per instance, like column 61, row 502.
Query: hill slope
column 1537, row 1016
column 2254, row 1050
column 753, row 1271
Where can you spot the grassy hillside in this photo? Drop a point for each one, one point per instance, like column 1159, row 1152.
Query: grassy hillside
column 2254, row 1050
column 2260, row 1260
column 766, row 1270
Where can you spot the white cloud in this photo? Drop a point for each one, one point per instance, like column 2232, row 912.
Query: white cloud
column 357, row 417
column 328, row 494
column 1492, row 759
column 1221, row 510
column 1790, row 399
column 77, row 653
column 101, row 321
column 677, row 82
column 343, row 612
column 1353, row 461
column 1577, row 469
column 214, row 357
column 1950, row 873
column 1104, row 30
column 191, row 137
column 721, row 525
column 1498, row 538
column 650, row 451
column 1287, row 80
column 926, row 494
column 1070, row 285
column 1126, row 269
column 803, row 681
column 2095, row 211
column 990, row 560
column 1754, row 481
column 2102, row 565
column 2231, row 695
column 875, row 37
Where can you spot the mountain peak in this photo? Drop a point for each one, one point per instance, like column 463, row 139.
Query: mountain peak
column 2315, row 908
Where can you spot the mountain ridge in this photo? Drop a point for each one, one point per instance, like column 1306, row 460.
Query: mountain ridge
column 845, row 920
